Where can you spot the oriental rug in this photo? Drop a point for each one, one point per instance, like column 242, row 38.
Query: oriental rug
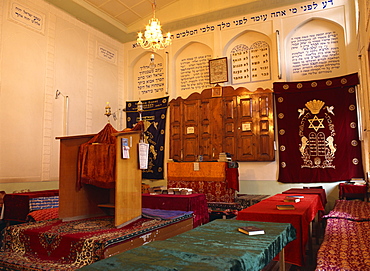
column 57, row 245
column 350, row 210
column 346, row 246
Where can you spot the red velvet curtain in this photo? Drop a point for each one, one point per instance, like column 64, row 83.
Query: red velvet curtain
column 317, row 129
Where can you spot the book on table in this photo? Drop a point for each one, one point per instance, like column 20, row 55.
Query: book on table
column 292, row 199
column 285, row 207
column 251, row 230
column 295, row 196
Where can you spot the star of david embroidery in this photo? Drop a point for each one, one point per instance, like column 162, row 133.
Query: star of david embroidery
column 317, row 127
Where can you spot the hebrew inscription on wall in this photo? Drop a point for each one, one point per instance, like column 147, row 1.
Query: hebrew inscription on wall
column 27, row 17
column 315, row 54
column 107, row 54
column 194, row 73
column 151, row 80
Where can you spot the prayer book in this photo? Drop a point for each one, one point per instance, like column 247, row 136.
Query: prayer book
column 251, row 230
column 292, row 199
column 285, row 207
column 295, row 196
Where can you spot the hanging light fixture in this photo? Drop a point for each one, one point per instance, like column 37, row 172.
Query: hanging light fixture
column 153, row 38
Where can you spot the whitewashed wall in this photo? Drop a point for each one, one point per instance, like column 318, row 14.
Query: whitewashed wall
column 58, row 53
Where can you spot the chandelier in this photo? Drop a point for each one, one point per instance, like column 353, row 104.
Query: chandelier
column 153, row 38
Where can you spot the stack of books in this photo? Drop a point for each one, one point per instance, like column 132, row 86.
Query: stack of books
column 357, row 181
column 179, row 191
column 223, row 157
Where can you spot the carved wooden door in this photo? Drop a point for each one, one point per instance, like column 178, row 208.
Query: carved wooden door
column 211, row 130
column 176, row 130
column 230, row 126
column 190, row 142
column 265, row 138
column 247, row 130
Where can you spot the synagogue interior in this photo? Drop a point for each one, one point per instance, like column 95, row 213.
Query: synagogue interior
column 184, row 135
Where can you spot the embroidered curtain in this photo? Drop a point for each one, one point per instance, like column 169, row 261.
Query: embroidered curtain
column 318, row 130
column 154, row 119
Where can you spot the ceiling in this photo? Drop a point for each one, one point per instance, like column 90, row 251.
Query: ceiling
column 122, row 19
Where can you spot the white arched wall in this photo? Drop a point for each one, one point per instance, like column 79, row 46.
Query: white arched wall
column 254, row 67
column 315, row 49
column 228, row 38
column 148, row 79
column 191, row 61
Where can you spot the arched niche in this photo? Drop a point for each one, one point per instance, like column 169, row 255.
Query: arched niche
column 191, row 68
column 249, row 56
column 148, row 76
column 315, row 50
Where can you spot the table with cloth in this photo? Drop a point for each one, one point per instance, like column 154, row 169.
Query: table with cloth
column 217, row 245
column 301, row 217
column 302, row 191
column 352, row 191
column 318, row 191
column 197, row 203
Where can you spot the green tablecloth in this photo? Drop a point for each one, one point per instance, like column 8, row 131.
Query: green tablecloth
column 214, row 246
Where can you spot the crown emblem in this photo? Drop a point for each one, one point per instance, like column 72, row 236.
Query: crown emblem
column 315, row 106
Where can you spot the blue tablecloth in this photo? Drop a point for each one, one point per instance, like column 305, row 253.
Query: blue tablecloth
column 217, row 245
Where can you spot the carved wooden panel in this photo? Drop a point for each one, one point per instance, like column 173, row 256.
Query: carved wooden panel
column 176, row 130
column 191, row 130
column 265, row 146
column 229, row 119
column 205, row 142
column 246, row 149
column 216, row 127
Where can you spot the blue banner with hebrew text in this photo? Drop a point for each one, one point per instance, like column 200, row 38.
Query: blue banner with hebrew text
column 154, row 119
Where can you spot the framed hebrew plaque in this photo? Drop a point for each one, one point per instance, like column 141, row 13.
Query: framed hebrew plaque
column 218, row 70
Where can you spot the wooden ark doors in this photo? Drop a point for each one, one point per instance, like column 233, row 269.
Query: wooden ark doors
column 239, row 122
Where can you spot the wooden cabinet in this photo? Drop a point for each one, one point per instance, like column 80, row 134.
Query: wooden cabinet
column 90, row 201
column 239, row 122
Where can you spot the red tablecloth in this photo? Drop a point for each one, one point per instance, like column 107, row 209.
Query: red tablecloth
column 17, row 207
column 194, row 202
column 232, row 178
column 352, row 191
column 305, row 211
column 303, row 191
